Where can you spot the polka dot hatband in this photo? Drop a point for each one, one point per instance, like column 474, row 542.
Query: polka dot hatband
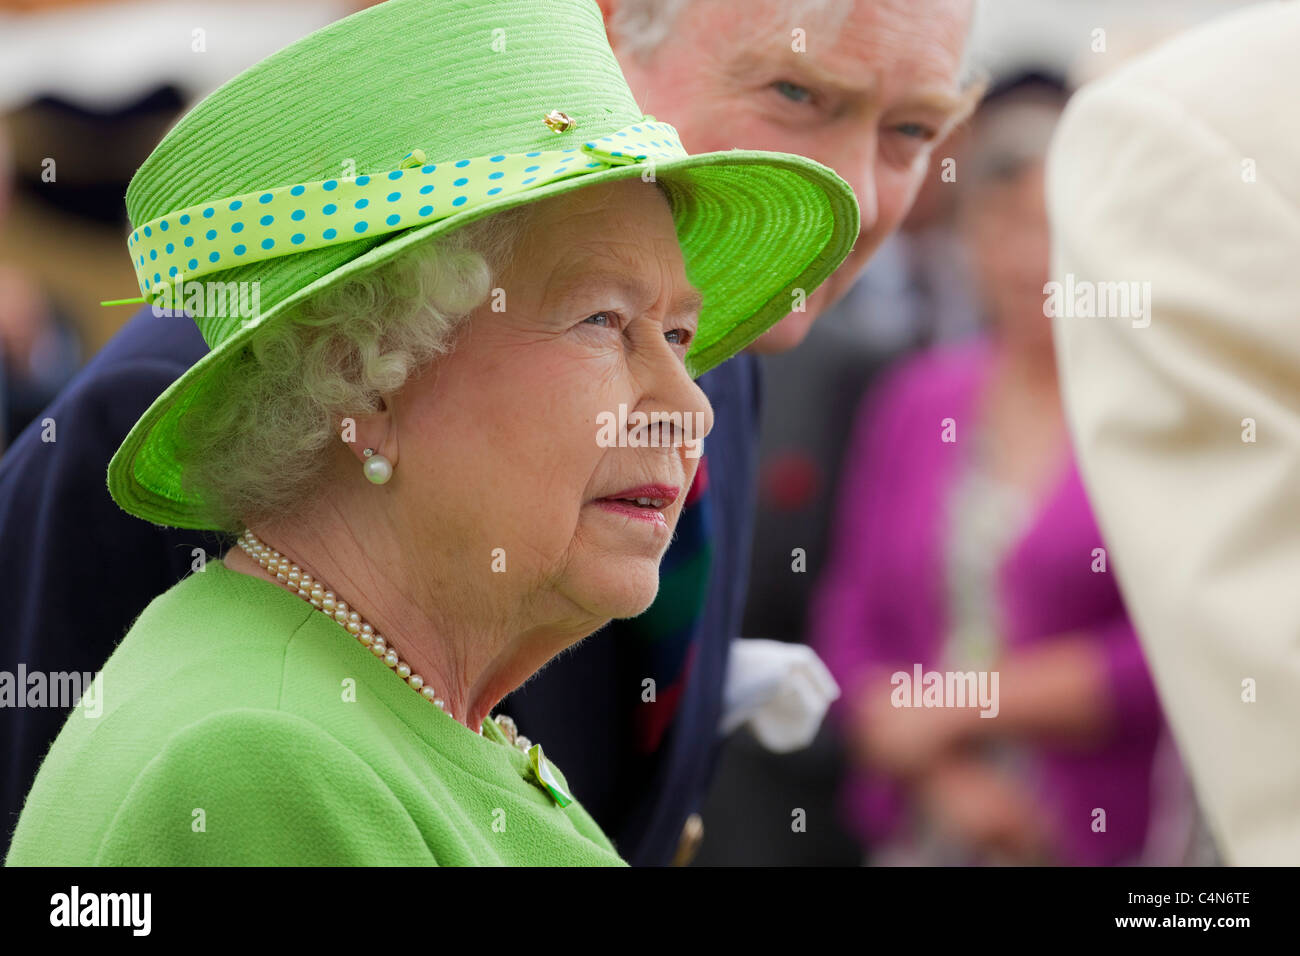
column 284, row 220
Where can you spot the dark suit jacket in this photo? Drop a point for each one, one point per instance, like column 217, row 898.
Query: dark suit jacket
column 76, row 571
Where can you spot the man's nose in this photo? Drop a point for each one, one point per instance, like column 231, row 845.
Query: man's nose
column 857, row 167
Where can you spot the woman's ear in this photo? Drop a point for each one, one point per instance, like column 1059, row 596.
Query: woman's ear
column 373, row 430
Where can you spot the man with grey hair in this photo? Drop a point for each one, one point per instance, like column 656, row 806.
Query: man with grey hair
column 863, row 86
column 866, row 87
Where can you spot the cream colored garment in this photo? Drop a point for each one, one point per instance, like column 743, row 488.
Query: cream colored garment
column 1148, row 181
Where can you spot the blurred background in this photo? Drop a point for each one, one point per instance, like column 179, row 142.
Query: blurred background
column 88, row 88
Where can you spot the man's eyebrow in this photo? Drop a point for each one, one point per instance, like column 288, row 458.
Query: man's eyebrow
column 578, row 283
column 960, row 107
column 940, row 100
column 936, row 98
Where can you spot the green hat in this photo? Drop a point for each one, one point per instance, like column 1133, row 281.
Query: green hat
column 438, row 112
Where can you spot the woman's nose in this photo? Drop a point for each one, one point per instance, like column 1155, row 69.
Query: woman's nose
column 675, row 391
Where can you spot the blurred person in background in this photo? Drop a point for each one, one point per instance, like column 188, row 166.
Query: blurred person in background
column 39, row 351
column 964, row 542
column 1179, row 170
column 877, row 84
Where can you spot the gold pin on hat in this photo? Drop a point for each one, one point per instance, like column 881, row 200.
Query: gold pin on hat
column 560, row 122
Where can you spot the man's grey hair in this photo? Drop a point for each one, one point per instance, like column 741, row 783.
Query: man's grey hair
column 642, row 26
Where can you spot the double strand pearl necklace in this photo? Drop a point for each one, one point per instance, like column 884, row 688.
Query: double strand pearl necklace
column 327, row 602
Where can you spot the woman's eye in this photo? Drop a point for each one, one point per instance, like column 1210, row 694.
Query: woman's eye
column 793, row 91
column 605, row 319
column 677, row 336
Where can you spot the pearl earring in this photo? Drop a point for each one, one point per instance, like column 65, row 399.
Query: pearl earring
column 377, row 468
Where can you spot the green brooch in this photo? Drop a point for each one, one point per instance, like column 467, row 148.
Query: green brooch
column 546, row 776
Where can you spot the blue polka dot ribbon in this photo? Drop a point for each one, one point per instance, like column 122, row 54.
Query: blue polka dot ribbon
column 284, row 220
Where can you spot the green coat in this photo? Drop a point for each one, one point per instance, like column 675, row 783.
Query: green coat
column 238, row 725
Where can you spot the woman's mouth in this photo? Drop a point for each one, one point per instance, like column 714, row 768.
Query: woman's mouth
column 646, row 503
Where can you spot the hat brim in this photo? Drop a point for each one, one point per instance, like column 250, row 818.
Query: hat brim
column 758, row 228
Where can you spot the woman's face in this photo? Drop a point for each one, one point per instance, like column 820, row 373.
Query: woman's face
column 1006, row 232
column 507, row 484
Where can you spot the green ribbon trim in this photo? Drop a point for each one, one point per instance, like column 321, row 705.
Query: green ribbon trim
column 284, row 220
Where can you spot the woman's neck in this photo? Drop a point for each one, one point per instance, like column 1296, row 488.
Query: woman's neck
column 1031, row 366
column 470, row 664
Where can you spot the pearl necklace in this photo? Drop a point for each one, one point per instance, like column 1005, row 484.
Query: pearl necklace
column 327, row 602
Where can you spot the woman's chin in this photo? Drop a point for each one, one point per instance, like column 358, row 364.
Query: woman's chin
column 620, row 587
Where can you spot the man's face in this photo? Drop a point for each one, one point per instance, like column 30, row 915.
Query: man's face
column 866, row 89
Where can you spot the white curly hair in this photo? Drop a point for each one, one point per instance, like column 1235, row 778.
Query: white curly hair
column 253, row 449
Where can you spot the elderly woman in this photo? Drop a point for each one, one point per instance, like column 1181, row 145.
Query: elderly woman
column 409, row 438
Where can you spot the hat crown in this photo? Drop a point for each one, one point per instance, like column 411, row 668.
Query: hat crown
column 454, row 78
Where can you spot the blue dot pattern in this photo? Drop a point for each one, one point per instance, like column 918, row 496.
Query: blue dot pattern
column 302, row 216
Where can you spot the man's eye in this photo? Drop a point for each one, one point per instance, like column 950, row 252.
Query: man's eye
column 916, row 131
column 793, row 91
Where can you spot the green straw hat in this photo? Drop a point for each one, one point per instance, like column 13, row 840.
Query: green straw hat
column 436, row 113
